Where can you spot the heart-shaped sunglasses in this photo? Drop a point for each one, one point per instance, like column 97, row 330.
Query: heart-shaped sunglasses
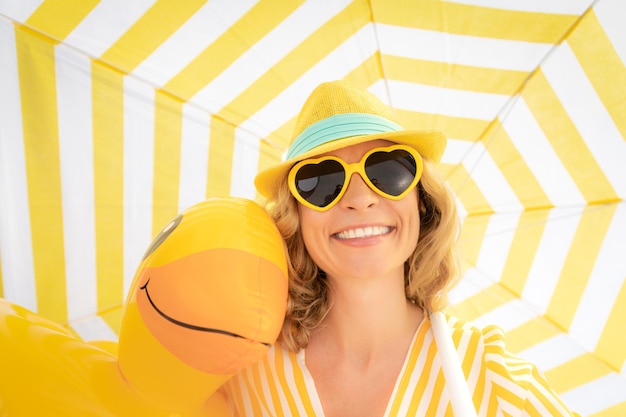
column 390, row 171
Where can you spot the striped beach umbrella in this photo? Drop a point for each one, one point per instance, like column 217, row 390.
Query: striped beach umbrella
column 117, row 115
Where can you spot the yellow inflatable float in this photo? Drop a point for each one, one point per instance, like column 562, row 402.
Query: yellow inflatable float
column 207, row 300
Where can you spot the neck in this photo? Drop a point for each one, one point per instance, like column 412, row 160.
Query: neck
column 368, row 318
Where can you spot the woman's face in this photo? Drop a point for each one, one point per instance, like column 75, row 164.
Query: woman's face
column 364, row 235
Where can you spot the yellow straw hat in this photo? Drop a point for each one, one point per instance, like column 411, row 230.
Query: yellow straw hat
column 335, row 116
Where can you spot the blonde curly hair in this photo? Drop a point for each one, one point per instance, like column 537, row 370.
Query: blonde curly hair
column 430, row 271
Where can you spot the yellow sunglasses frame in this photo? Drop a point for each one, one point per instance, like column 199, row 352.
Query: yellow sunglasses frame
column 359, row 168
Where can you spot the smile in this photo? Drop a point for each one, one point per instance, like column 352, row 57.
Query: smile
column 192, row 326
column 363, row 232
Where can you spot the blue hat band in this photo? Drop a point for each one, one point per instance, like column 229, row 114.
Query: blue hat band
column 339, row 126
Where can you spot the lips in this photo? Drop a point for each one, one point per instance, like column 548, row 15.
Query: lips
column 362, row 232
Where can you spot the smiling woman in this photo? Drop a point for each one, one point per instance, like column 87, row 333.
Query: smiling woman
column 370, row 229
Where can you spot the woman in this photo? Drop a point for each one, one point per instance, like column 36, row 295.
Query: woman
column 370, row 230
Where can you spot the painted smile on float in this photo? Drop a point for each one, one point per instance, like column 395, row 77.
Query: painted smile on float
column 189, row 325
column 178, row 290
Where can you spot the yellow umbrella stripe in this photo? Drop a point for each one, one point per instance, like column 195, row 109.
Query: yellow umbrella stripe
column 217, row 56
column 471, row 238
column 608, row 385
column 514, row 168
column 527, row 232
column 599, row 302
column 35, row 58
column 222, row 139
column 469, row 194
column 538, row 153
column 76, row 105
column 194, row 155
column 456, row 127
column 489, row 299
column 139, row 164
column 530, row 333
column 148, row 32
column 504, row 54
column 447, row 103
column 603, row 66
column 455, row 76
column 367, row 74
column 583, row 251
column 583, row 105
column 204, row 27
column 568, row 376
column 312, row 49
column 485, row 22
column 495, row 190
column 18, row 278
column 494, row 299
column 616, row 410
column 613, row 339
column 58, row 18
column 487, row 265
column 566, row 141
column 524, row 246
column 274, row 145
column 108, row 153
column 167, row 154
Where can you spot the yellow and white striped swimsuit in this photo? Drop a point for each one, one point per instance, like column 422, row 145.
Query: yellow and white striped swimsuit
column 501, row 384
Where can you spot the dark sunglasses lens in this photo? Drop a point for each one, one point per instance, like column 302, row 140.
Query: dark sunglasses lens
column 391, row 172
column 320, row 184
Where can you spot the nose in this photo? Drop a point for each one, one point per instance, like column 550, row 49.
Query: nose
column 359, row 195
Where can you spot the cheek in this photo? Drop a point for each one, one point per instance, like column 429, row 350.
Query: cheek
column 415, row 232
column 311, row 226
column 416, row 222
column 307, row 224
column 413, row 219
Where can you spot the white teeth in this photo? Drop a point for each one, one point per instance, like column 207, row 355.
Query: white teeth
column 361, row 232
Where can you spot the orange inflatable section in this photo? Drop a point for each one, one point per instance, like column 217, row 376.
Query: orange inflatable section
column 208, row 299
